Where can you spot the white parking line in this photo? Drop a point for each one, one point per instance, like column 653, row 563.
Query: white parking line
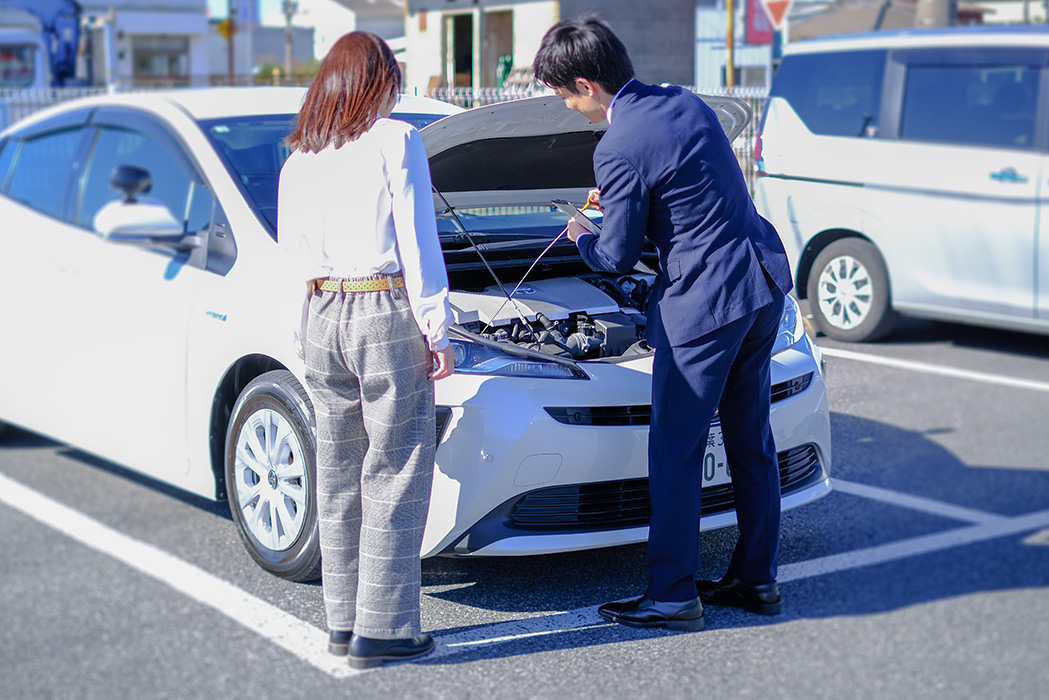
column 308, row 643
column 912, row 547
column 936, row 369
column 286, row 631
column 905, row 500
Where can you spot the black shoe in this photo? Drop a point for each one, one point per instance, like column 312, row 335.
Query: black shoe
column 684, row 616
column 369, row 653
column 339, row 642
column 761, row 599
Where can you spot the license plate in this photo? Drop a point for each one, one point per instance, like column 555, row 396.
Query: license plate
column 715, row 464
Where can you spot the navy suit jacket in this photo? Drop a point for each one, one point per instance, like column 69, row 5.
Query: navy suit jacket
column 667, row 171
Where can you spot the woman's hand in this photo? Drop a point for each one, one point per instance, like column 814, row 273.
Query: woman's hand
column 444, row 363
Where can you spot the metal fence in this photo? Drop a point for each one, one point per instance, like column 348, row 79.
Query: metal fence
column 18, row 104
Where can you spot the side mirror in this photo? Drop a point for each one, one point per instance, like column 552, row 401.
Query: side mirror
column 138, row 220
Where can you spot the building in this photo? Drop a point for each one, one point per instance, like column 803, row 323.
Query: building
column 238, row 57
column 130, row 42
column 486, row 43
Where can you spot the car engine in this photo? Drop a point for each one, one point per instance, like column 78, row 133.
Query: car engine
column 587, row 317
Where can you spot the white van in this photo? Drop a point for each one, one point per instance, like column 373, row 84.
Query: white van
column 904, row 173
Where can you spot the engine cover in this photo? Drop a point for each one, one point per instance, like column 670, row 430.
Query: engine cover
column 555, row 298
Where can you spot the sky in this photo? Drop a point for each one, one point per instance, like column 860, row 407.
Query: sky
column 329, row 19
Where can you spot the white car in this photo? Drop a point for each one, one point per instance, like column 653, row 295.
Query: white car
column 153, row 326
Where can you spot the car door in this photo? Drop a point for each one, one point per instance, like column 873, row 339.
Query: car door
column 129, row 306
column 38, row 165
column 958, row 183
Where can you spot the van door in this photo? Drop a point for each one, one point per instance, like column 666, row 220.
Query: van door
column 959, row 186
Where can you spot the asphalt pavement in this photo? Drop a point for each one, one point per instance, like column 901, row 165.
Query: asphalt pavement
column 925, row 573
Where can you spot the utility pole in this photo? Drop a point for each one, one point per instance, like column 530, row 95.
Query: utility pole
column 290, row 8
column 730, row 45
column 227, row 28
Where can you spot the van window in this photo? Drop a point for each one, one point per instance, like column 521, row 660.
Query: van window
column 835, row 94
column 965, row 104
column 43, row 169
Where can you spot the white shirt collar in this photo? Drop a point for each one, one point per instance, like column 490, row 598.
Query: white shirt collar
column 608, row 112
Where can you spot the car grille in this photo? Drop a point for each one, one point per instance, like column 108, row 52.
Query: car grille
column 618, row 504
column 642, row 415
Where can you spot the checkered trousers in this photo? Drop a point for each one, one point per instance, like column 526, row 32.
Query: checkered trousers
column 366, row 368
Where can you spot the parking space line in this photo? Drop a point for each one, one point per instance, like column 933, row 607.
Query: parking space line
column 913, row 546
column 927, row 368
column 926, row 505
column 286, row 631
column 308, row 643
column 514, row 630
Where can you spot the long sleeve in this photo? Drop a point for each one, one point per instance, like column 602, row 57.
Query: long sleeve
column 425, row 277
column 625, row 200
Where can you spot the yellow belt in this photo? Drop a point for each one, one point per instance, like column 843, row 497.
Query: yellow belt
column 380, row 284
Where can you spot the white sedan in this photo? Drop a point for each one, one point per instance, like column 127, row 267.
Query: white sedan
column 148, row 317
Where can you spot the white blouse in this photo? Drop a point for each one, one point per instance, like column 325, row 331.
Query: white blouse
column 366, row 208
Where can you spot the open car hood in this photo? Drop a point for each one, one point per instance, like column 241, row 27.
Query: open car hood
column 527, row 152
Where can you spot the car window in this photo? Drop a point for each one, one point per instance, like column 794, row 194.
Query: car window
column 977, row 105
column 43, row 169
column 255, row 151
column 834, row 94
column 7, row 155
column 172, row 184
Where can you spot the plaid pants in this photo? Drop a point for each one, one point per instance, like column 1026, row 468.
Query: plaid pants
column 366, row 368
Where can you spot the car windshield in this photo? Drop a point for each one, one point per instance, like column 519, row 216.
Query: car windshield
column 254, row 150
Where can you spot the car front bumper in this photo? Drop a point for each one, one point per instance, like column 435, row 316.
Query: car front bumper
column 511, row 479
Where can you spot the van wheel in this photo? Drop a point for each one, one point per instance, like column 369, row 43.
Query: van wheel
column 271, row 476
column 849, row 292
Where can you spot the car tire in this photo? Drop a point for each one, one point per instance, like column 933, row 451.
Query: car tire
column 848, row 292
column 271, row 475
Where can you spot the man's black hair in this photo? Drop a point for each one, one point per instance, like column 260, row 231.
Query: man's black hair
column 584, row 47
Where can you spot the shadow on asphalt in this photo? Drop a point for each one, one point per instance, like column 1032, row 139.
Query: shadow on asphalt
column 839, row 523
column 914, row 465
column 14, row 437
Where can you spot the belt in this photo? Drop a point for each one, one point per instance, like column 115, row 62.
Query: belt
column 379, row 284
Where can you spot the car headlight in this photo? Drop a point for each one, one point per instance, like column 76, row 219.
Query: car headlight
column 791, row 326
column 492, row 360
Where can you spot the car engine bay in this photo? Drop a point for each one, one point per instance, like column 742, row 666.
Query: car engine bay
column 583, row 318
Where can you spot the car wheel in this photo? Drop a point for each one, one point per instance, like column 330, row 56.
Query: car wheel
column 271, row 475
column 849, row 292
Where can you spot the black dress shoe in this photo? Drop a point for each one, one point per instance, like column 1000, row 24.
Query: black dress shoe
column 684, row 616
column 762, row 599
column 369, row 653
column 339, row 642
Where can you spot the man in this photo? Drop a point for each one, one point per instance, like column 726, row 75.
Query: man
column 665, row 170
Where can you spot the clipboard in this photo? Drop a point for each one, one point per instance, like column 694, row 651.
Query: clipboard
column 571, row 210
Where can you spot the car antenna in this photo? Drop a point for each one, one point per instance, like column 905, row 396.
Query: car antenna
column 509, row 297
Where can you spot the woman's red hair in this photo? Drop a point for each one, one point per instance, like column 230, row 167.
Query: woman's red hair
column 354, row 81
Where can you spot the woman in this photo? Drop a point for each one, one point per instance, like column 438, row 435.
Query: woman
column 355, row 211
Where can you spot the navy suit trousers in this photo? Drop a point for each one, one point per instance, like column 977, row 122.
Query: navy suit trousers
column 727, row 370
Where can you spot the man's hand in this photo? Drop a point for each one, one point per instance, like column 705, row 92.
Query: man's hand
column 593, row 201
column 444, row 361
column 574, row 229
